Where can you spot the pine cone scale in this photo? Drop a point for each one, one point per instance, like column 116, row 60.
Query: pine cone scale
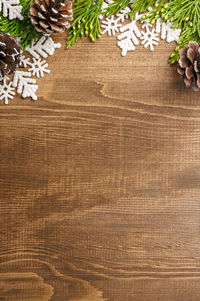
column 188, row 82
column 198, row 80
column 181, row 71
column 189, row 72
column 43, row 24
column 191, row 55
column 196, row 67
column 57, row 28
column 184, row 62
column 193, row 45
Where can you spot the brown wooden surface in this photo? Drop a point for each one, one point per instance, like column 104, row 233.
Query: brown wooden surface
column 100, row 181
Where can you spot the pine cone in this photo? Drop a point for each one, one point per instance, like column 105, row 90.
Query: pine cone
column 50, row 16
column 10, row 53
column 189, row 65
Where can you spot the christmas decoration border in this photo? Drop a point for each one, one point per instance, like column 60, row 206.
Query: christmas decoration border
column 161, row 19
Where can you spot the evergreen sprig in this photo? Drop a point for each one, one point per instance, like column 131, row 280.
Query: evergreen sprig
column 23, row 29
column 86, row 21
column 115, row 7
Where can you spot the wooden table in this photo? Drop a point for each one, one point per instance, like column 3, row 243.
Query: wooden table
column 100, row 181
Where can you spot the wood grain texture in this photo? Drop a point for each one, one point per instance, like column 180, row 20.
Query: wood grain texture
column 99, row 181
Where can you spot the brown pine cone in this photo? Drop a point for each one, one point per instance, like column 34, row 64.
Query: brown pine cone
column 10, row 53
column 50, row 16
column 189, row 65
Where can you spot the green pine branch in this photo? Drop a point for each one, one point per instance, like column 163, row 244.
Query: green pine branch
column 23, row 29
column 86, row 21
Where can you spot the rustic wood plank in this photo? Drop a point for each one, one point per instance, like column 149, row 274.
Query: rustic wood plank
column 99, row 181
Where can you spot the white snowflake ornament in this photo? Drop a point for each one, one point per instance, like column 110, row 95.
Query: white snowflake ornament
column 111, row 26
column 129, row 37
column 6, row 90
column 38, row 67
column 167, row 32
column 25, row 84
column 149, row 37
column 44, row 47
column 11, row 9
column 24, row 61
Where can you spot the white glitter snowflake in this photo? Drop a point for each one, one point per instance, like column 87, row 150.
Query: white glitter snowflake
column 167, row 32
column 25, row 84
column 149, row 37
column 43, row 47
column 24, row 61
column 110, row 25
column 38, row 67
column 129, row 37
column 6, row 90
column 11, row 9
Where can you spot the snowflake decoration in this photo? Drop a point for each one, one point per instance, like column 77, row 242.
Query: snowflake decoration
column 43, row 47
column 130, row 34
column 23, row 81
column 129, row 37
column 6, row 90
column 38, row 67
column 149, row 37
column 11, row 9
column 24, row 61
column 25, row 84
column 167, row 32
column 110, row 26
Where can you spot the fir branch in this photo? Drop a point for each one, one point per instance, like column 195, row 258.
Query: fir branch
column 23, row 29
column 86, row 21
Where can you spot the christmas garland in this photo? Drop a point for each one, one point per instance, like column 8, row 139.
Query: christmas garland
column 26, row 27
